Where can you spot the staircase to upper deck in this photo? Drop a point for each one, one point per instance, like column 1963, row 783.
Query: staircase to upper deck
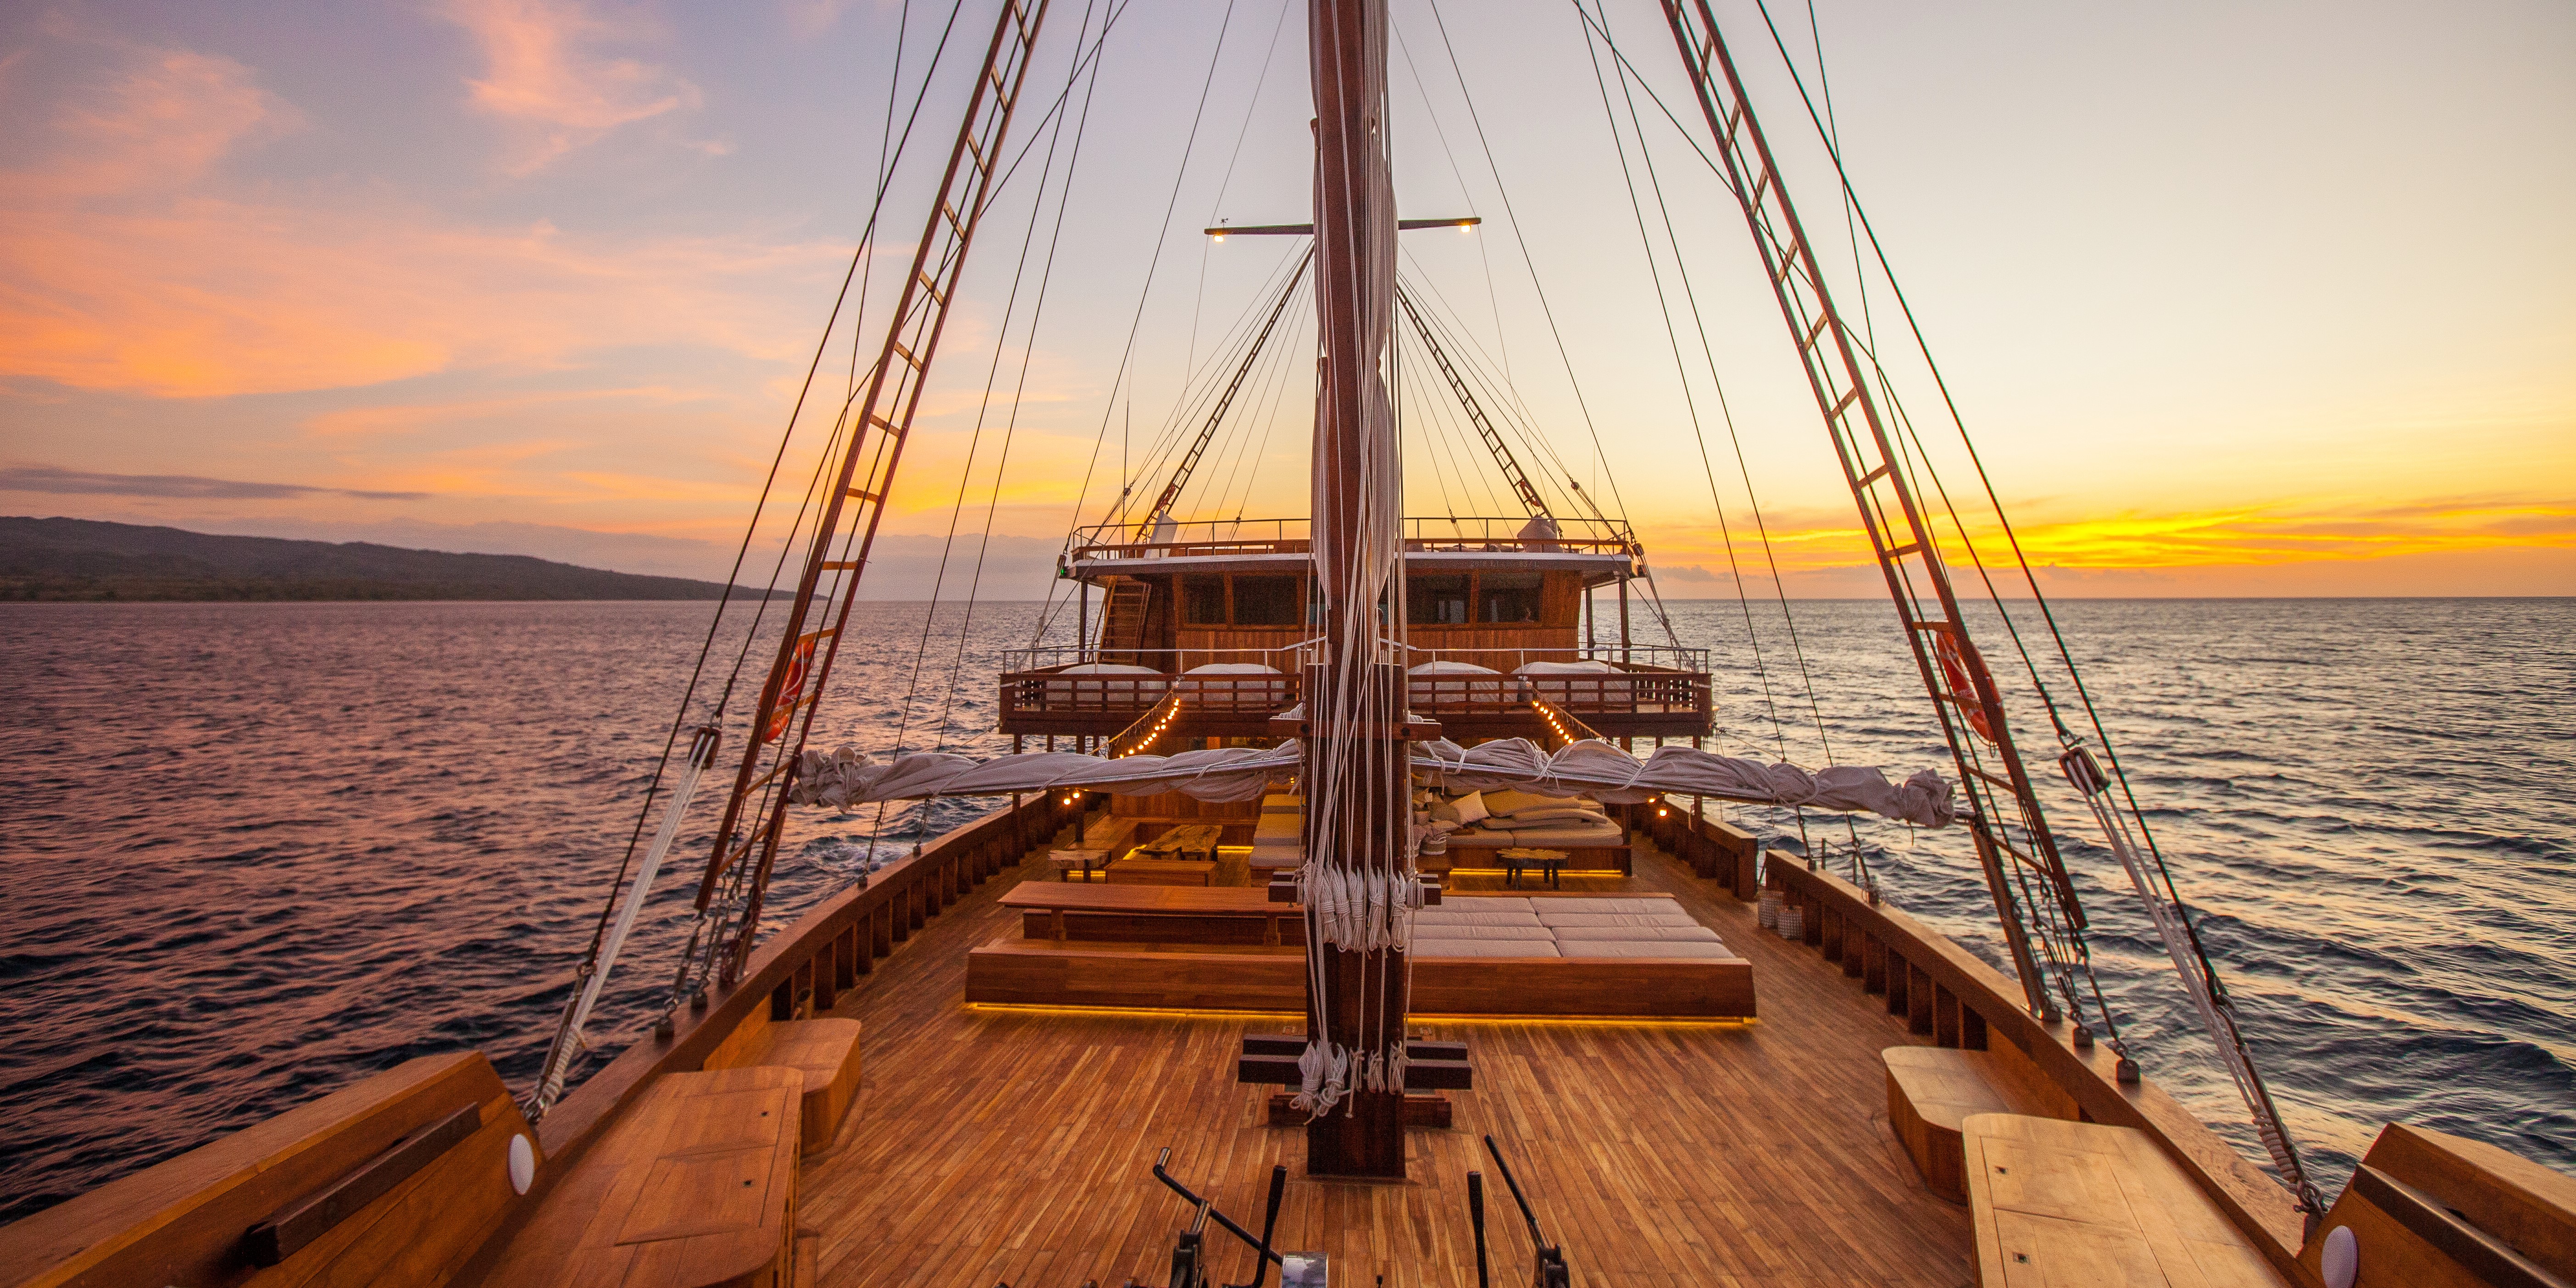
column 1123, row 619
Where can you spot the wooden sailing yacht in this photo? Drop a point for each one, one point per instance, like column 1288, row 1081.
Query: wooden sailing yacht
column 934, row 1076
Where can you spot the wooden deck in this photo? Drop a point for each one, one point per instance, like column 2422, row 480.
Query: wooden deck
column 999, row 1145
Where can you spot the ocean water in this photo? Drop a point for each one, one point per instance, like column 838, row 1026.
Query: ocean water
column 252, row 852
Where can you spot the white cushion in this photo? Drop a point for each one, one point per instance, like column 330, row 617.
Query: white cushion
column 1454, row 930
column 1568, row 833
column 1537, row 816
column 1427, row 947
column 1635, row 934
column 1586, row 904
column 1445, row 667
column 1587, row 667
column 1634, row 948
column 1549, row 917
column 1442, row 916
column 1513, row 801
column 1460, row 901
column 1232, row 668
column 1470, row 807
column 1107, row 668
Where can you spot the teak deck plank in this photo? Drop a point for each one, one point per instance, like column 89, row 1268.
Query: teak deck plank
column 995, row 1145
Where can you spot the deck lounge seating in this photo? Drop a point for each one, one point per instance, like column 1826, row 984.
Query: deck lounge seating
column 1472, row 954
column 1485, row 925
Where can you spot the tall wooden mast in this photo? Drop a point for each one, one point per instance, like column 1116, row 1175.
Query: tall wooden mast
column 1356, row 777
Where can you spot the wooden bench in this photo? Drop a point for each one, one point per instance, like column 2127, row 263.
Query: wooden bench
column 826, row 1053
column 1163, row 872
column 1930, row 1092
column 694, row 1187
column 2057, row 1202
column 1157, row 913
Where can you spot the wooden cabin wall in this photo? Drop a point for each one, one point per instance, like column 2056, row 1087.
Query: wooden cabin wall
column 1163, row 614
column 1177, row 805
column 1202, row 645
column 1499, row 647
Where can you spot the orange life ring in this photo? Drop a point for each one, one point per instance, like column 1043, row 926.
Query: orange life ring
column 790, row 687
column 1958, row 662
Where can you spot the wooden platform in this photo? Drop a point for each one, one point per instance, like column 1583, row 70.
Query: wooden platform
column 694, row 1188
column 2078, row 1203
column 1660, row 1154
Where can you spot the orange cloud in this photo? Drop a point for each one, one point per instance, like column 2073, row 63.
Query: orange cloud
column 541, row 76
column 2278, row 534
column 117, row 273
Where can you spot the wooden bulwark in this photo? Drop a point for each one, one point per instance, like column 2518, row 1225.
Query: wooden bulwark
column 2434, row 1210
column 184, row 1221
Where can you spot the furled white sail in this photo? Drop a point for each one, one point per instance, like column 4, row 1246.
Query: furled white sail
column 1592, row 768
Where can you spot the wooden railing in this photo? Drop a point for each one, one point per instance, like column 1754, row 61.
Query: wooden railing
column 1031, row 693
column 1201, row 537
column 1960, row 1001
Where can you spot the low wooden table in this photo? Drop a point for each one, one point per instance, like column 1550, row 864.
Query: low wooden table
column 2056, row 1202
column 1515, row 858
column 1194, row 841
column 1085, row 861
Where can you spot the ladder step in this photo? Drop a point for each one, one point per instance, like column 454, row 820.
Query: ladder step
column 1909, row 548
column 953, row 221
column 838, row 565
column 1818, row 329
column 1874, row 476
column 864, row 494
column 930, row 286
column 905, row 354
column 981, row 165
column 1844, row 406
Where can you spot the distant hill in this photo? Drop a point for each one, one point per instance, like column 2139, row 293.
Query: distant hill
column 78, row 559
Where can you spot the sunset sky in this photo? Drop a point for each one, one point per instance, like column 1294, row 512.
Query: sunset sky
column 2235, row 298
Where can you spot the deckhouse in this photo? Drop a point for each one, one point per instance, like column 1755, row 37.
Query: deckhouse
column 1217, row 617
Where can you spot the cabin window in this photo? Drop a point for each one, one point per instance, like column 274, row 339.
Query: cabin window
column 1267, row 601
column 1203, row 601
column 1507, row 597
column 1438, row 599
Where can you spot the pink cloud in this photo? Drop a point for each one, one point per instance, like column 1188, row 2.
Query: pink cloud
column 121, row 270
column 542, row 74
